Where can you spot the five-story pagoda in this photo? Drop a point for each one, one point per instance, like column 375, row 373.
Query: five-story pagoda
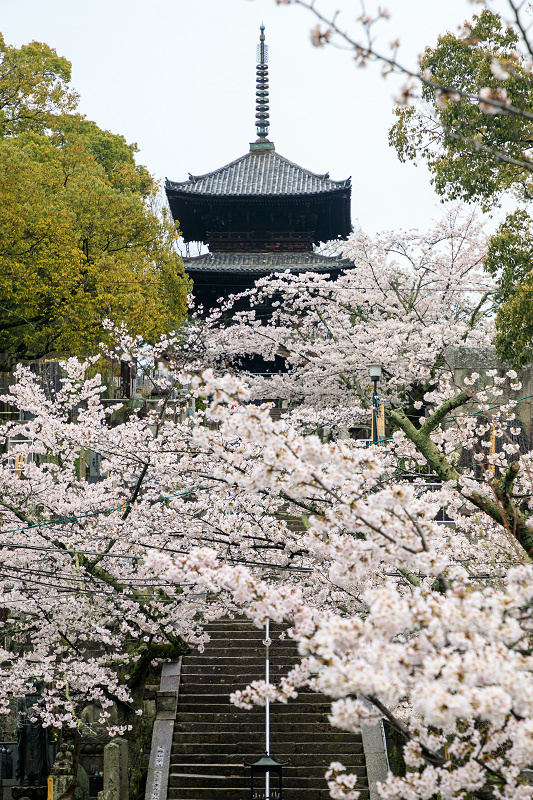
column 259, row 214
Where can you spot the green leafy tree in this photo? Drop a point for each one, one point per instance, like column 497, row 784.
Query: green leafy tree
column 471, row 122
column 78, row 241
column 474, row 151
column 510, row 257
column 479, row 152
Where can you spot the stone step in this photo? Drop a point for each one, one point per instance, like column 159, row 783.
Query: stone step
column 248, row 726
column 218, row 674
column 191, row 781
column 256, row 638
column 222, row 634
column 179, row 781
column 299, row 766
column 318, row 710
column 209, row 751
column 298, row 759
column 224, row 685
column 226, row 710
column 223, row 792
column 212, row 737
column 229, row 657
column 217, row 722
column 245, row 625
column 278, row 655
column 236, row 769
column 236, row 658
column 219, row 684
column 191, row 684
column 236, row 733
column 222, row 698
column 254, row 739
column 257, row 644
column 190, row 681
column 241, row 663
column 239, row 638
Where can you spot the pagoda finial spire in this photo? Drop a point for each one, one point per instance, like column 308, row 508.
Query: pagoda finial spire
column 261, row 108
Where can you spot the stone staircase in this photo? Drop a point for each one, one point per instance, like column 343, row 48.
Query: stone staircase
column 212, row 737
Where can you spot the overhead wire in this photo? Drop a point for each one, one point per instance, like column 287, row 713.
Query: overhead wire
column 161, row 499
column 75, row 578
column 61, row 551
column 97, row 513
column 301, row 286
column 124, row 556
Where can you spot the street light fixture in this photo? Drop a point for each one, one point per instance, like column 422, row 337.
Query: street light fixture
column 375, row 374
column 265, row 766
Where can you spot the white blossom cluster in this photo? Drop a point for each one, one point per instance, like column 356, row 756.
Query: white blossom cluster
column 404, row 300
column 395, row 614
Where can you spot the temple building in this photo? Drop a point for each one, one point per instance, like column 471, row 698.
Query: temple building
column 259, row 214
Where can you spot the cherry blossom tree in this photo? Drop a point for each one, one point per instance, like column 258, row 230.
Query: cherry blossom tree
column 429, row 624
column 398, row 618
column 367, row 38
column 83, row 618
column 466, row 110
column 406, row 298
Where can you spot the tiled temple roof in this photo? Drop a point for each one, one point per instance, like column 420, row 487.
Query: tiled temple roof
column 264, row 263
column 257, row 174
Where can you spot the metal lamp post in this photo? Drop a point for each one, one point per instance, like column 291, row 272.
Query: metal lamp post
column 375, row 374
column 266, row 764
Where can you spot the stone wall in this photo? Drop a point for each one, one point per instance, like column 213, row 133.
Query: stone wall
column 463, row 361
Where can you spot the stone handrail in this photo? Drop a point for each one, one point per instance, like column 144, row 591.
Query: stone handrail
column 161, row 750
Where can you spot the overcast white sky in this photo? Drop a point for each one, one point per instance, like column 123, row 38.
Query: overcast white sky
column 178, row 78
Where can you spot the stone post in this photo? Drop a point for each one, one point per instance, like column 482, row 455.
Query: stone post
column 377, row 764
column 116, row 783
column 375, row 750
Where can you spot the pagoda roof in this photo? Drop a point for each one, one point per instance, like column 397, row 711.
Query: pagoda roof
column 264, row 263
column 259, row 173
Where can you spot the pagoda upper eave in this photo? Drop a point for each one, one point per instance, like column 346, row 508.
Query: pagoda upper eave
column 326, row 215
column 259, row 173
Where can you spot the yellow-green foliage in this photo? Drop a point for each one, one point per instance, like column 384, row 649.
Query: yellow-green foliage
column 78, row 242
